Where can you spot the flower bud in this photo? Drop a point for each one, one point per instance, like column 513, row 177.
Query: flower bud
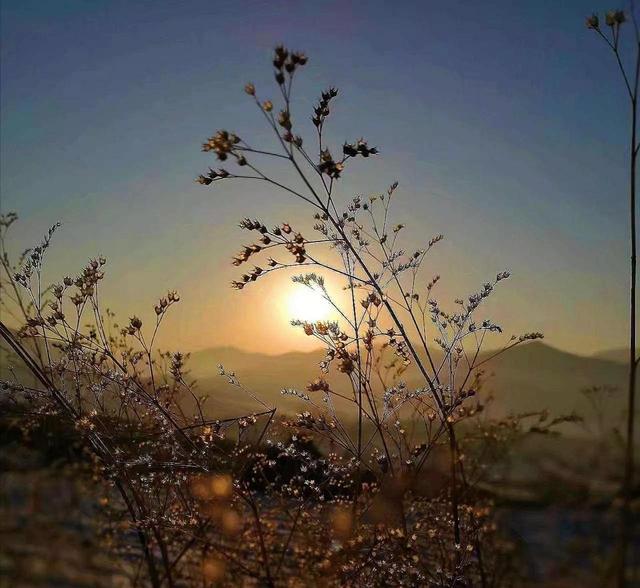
column 593, row 22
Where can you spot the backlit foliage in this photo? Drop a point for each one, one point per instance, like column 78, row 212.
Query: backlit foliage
column 387, row 497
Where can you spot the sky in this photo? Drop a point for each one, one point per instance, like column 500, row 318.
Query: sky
column 504, row 122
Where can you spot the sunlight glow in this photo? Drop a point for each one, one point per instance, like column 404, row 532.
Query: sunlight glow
column 306, row 304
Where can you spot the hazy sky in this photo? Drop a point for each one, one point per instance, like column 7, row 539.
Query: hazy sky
column 505, row 123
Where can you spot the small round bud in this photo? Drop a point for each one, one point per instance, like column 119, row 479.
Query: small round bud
column 593, row 22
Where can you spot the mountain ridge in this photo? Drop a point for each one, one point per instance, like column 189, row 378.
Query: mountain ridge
column 533, row 376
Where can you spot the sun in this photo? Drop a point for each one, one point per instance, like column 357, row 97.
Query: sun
column 307, row 304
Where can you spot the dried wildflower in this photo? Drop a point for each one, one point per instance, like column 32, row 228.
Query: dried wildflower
column 346, row 365
column 284, row 119
column 593, row 22
column 222, row 143
column 328, row 166
column 318, row 384
column 354, row 517
column 359, row 148
column 613, row 18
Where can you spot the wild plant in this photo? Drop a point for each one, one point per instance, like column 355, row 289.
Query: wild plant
column 614, row 20
column 374, row 481
column 139, row 416
column 390, row 306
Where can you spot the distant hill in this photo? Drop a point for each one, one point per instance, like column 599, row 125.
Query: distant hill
column 530, row 377
column 538, row 376
column 618, row 355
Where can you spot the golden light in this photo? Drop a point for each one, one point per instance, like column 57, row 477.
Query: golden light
column 213, row 569
column 222, row 486
column 307, row 304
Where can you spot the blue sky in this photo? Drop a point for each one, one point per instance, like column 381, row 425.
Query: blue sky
column 505, row 123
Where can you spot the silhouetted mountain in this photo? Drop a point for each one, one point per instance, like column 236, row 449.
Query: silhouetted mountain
column 527, row 378
column 537, row 376
column 620, row 355
column 530, row 377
